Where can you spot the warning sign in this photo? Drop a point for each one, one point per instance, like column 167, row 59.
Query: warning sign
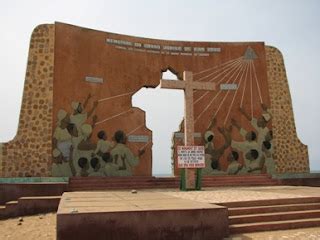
column 191, row 157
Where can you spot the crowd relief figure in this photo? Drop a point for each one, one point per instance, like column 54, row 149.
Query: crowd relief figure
column 75, row 153
column 256, row 147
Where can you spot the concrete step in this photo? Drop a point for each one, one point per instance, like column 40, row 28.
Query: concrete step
column 11, row 209
column 237, row 180
column 2, row 211
column 141, row 182
column 122, row 181
column 270, row 217
column 235, row 184
column 124, row 186
column 127, row 182
column 273, row 214
column 273, row 208
column 111, row 183
column 272, row 226
column 271, row 202
column 111, row 179
column 30, row 206
column 223, row 177
column 41, row 204
column 240, row 181
column 117, row 186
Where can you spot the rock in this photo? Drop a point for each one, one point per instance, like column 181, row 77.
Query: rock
column 20, row 219
column 73, row 210
column 19, row 223
column 134, row 191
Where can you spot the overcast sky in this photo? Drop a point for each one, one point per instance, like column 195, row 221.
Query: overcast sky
column 290, row 25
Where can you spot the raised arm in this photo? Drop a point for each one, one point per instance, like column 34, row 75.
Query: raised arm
column 87, row 100
column 212, row 123
column 73, row 169
column 235, row 123
column 266, row 109
column 245, row 114
column 227, row 138
column 95, row 104
column 94, row 120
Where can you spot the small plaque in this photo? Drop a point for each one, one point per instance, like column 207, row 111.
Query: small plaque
column 181, row 135
column 151, row 46
column 138, row 138
column 199, row 49
column 228, row 86
column 172, row 48
column 191, row 157
column 213, row 49
column 118, row 42
column 94, row 80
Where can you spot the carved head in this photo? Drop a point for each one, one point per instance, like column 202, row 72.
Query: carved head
column 83, row 163
column 208, row 136
column 120, row 137
column 253, row 154
column 251, row 136
column 233, row 156
column 102, row 135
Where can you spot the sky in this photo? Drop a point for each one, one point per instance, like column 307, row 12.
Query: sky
column 290, row 25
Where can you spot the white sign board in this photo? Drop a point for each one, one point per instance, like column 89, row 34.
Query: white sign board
column 191, row 157
column 228, row 86
column 94, row 79
column 138, row 138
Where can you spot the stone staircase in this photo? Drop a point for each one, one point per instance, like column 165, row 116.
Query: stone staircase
column 113, row 183
column 274, row 214
column 37, row 198
column 238, row 180
column 29, row 206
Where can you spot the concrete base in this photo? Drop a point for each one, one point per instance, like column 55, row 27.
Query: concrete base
column 29, row 205
column 14, row 191
column 142, row 215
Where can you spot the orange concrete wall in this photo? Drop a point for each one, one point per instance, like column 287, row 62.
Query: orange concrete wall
column 62, row 56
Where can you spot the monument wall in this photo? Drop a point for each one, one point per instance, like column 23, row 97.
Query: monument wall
column 291, row 156
column 29, row 153
column 77, row 105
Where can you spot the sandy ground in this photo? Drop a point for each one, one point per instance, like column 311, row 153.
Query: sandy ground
column 42, row 227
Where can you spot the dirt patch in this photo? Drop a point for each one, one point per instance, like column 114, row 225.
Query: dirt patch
column 29, row 228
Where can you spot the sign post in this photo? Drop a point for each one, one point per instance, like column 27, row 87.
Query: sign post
column 191, row 157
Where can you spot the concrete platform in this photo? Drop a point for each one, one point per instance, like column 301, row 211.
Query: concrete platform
column 29, row 206
column 144, row 215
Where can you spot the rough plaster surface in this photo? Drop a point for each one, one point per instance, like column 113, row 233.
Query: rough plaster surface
column 290, row 155
column 29, row 153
